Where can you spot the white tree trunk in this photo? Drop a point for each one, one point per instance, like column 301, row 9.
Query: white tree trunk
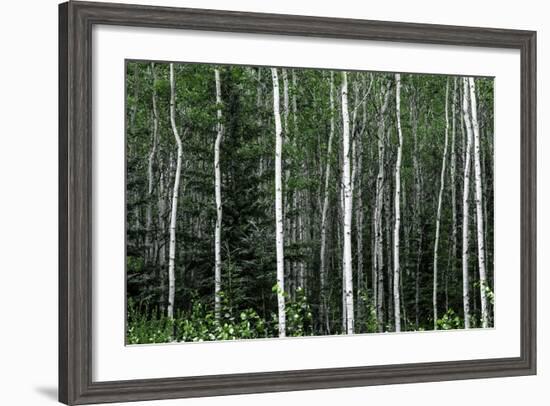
column 479, row 209
column 347, row 206
column 323, row 259
column 465, row 205
column 397, row 209
column 279, row 205
column 173, row 216
column 439, row 205
column 218, row 193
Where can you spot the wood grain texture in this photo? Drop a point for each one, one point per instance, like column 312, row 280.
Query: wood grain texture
column 75, row 202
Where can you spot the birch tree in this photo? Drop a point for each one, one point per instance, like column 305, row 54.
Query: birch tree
column 218, row 193
column 465, row 205
column 439, row 205
column 279, row 205
column 174, row 211
column 397, row 208
column 479, row 208
column 347, row 206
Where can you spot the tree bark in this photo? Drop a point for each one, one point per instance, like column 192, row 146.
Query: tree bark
column 347, row 206
column 479, row 209
column 279, row 205
column 218, row 195
column 173, row 216
column 439, row 205
column 465, row 205
column 397, row 209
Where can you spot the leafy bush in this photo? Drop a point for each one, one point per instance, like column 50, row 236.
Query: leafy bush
column 200, row 324
column 450, row 321
column 298, row 316
column 369, row 323
column 141, row 329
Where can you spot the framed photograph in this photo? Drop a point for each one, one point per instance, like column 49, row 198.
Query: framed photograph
column 259, row 202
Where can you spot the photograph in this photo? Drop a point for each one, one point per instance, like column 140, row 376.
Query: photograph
column 270, row 202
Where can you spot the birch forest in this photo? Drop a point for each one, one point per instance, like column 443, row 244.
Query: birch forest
column 281, row 202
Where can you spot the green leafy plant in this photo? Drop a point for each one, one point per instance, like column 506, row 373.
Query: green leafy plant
column 450, row 320
column 298, row 315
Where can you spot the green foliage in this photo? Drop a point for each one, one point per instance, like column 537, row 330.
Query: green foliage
column 449, row 321
column 199, row 324
column 249, row 301
column 145, row 327
column 134, row 264
column 298, row 316
column 488, row 291
column 369, row 323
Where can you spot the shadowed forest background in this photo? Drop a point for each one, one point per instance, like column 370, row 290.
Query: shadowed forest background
column 272, row 202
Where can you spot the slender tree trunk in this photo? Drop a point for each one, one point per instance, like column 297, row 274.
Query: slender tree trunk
column 347, row 206
column 479, row 209
column 388, row 229
column 465, row 206
column 397, row 209
column 439, row 205
column 173, row 216
column 279, row 205
column 218, row 193
column 341, row 255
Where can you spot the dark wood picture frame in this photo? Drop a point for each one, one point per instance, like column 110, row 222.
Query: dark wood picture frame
column 76, row 20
